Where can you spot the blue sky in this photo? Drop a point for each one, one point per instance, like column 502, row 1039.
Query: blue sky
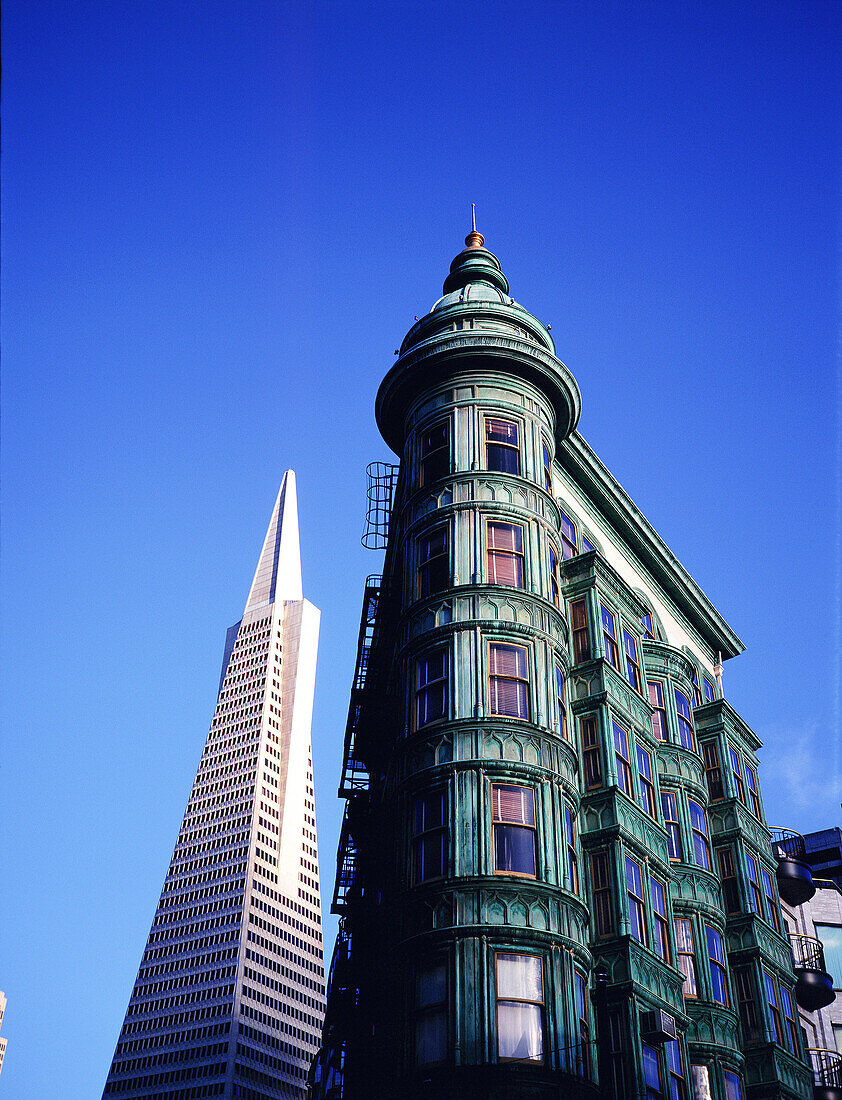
column 219, row 220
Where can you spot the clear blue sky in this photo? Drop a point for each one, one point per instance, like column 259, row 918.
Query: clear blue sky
column 219, row 219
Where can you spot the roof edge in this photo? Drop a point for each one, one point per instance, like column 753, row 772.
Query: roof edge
column 601, row 486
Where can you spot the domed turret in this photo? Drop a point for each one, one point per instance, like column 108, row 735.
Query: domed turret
column 476, row 325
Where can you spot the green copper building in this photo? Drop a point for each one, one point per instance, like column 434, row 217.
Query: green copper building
column 555, row 875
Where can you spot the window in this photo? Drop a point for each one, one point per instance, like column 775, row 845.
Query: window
column 616, row 1056
column 587, row 546
column 737, row 772
column 637, row 909
column 754, row 884
column 554, row 587
column 568, row 537
column 699, row 825
column 686, row 956
column 433, row 564
column 733, row 1086
column 710, row 690
column 547, row 464
column 746, row 1005
column 652, row 1074
column 601, row 894
column 831, row 937
column 621, row 753
column 678, row 1082
column 431, row 1014
column 591, row 759
column 520, row 1008
column 670, row 811
column 659, row 714
column 728, row 875
column 774, row 1008
column 609, row 637
column 646, row 623
column 583, row 1016
column 505, row 553
column 713, row 770
column 700, row 1076
column 513, row 816
column 792, row 1027
column 685, row 723
column 754, row 797
column 501, row 446
column 697, row 691
column 716, row 957
column 508, row 680
column 430, row 687
column 647, row 787
column 429, row 840
column 561, row 726
column 581, row 631
column 632, row 663
column 572, row 861
column 771, row 901
column 659, row 911
column 435, row 453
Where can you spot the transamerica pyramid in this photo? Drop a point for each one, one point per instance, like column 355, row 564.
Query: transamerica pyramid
column 229, row 997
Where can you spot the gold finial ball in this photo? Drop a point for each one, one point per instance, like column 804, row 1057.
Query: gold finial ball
column 474, row 239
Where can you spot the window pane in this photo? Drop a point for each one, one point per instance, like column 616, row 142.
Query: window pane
column 431, row 856
column 831, row 937
column 508, row 660
column 651, row 1068
column 431, row 1037
column 501, row 431
column 431, row 986
column 520, row 977
column 514, row 849
column 514, row 805
column 733, row 1086
column 508, row 698
column 519, row 1032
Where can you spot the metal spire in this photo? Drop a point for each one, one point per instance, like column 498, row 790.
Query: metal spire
column 474, row 239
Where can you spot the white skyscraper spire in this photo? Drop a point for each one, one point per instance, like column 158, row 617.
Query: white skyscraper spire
column 229, row 997
column 278, row 573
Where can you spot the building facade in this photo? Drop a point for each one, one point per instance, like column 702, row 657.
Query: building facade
column 813, row 922
column 543, row 875
column 229, row 996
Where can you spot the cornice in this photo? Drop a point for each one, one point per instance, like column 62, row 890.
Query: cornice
column 599, row 486
column 520, row 356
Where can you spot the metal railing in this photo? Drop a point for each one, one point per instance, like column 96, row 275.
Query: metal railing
column 807, row 953
column 827, row 1067
column 787, row 844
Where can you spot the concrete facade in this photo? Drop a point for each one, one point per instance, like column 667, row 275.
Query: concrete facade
column 229, row 996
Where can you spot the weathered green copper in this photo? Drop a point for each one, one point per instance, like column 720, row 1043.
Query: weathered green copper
column 509, row 541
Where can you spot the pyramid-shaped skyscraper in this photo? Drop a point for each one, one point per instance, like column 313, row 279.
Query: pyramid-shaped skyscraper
column 229, row 997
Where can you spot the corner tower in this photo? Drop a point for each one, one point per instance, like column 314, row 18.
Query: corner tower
column 553, row 814
column 229, row 995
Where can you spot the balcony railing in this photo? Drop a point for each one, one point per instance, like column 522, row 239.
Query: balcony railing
column 814, row 987
column 795, row 880
column 827, row 1073
column 787, row 844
